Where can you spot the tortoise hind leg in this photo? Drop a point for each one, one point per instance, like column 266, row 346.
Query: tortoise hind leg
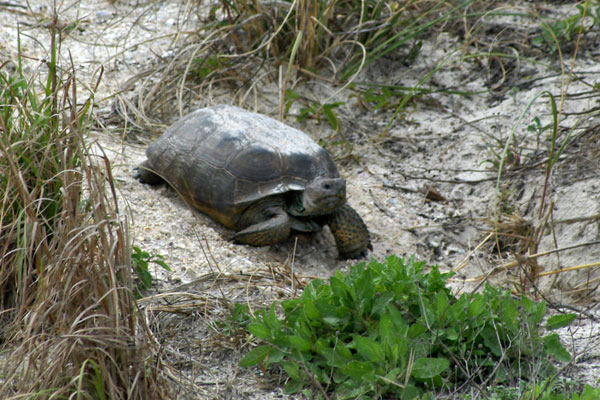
column 350, row 232
column 264, row 227
column 144, row 174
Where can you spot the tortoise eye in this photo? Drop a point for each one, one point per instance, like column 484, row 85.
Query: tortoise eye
column 327, row 186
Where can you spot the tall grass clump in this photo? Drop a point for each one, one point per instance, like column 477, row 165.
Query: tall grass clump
column 242, row 46
column 70, row 326
column 344, row 34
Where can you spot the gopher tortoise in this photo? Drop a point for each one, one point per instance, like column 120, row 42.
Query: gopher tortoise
column 255, row 175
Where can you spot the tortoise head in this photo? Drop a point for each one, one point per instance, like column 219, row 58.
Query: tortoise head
column 323, row 196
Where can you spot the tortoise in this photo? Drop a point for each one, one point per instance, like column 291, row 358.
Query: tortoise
column 255, row 175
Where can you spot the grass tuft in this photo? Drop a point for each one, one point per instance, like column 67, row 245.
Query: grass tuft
column 70, row 324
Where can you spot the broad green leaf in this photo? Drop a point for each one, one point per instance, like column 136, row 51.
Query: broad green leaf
column 560, row 320
column 292, row 369
column 334, row 321
column 273, row 356
column 256, row 356
column 459, row 309
column 411, row 392
column 510, row 314
column 359, row 370
column 427, row 368
column 329, row 309
column 590, row 393
column 311, row 311
column 451, row 334
column 301, row 328
column 369, row 349
column 310, row 291
column 428, row 315
column 394, row 375
column 477, row 306
column 386, row 329
column 337, row 356
column 271, row 319
column 342, row 351
column 536, row 311
column 162, row 264
column 318, row 371
column 293, row 386
column 330, row 357
column 290, row 306
column 352, row 390
column 365, row 291
column 381, row 302
column 491, row 340
column 441, row 306
column 553, row 346
column 300, row 343
column 339, row 288
column 416, row 330
column 259, row 330
column 398, row 318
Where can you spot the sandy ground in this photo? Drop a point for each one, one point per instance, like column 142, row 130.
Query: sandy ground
column 441, row 143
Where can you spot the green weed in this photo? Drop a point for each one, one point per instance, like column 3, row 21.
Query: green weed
column 204, row 67
column 558, row 389
column 555, row 34
column 237, row 322
column 314, row 109
column 141, row 261
column 394, row 329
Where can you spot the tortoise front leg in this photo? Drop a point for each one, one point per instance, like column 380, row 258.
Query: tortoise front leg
column 350, row 232
column 263, row 227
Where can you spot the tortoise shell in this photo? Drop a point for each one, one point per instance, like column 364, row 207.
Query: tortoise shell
column 222, row 159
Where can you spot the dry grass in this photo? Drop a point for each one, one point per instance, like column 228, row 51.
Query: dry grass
column 244, row 46
column 70, row 325
column 202, row 327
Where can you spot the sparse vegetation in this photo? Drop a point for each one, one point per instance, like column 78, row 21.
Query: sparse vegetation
column 373, row 28
column 550, row 390
column 562, row 32
column 71, row 284
column 314, row 110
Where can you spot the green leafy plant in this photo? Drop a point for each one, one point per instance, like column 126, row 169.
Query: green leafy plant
column 141, row 261
column 394, row 328
column 553, row 34
column 561, row 390
column 593, row 12
column 203, row 67
column 380, row 97
column 558, row 389
column 315, row 109
column 237, row 322
column 565, row 30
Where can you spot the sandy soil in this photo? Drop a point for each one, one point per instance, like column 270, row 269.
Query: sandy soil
column 441, row 144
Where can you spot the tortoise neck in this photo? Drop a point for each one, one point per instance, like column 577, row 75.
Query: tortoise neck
column 295, row 204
